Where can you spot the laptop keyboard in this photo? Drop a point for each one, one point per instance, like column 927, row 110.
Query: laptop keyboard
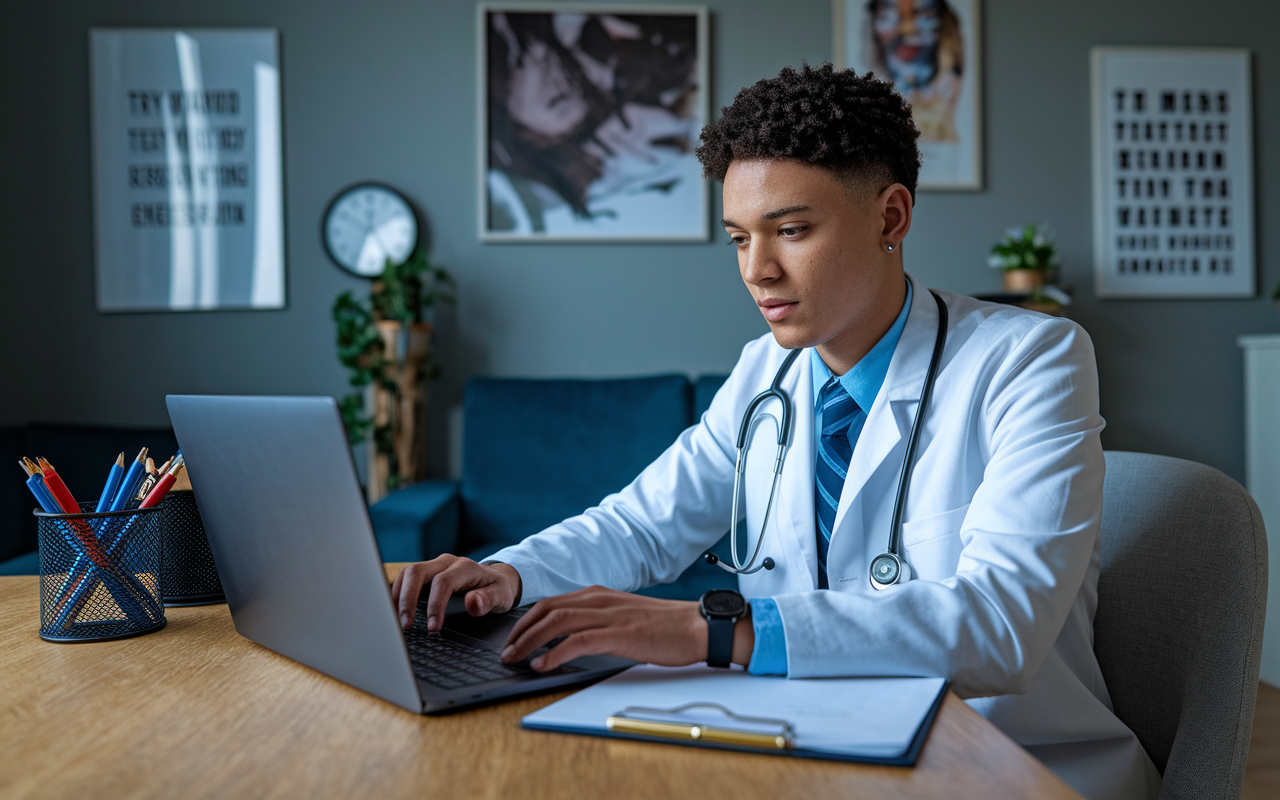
column 451, row 665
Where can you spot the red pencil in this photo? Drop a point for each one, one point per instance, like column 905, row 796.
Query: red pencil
column 57, row 488
column 62, row 495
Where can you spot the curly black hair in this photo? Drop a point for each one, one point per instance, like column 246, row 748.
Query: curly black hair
column 855, row 125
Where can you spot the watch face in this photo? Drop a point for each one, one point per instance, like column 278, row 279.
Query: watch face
column 367, row 224
column 723, row 603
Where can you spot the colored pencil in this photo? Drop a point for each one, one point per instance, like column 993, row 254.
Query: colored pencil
column 113, row 484
column 53, row 482
column 129, row 484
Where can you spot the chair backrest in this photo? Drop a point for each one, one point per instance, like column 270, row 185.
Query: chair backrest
column 539, row 451
column 1181, row 603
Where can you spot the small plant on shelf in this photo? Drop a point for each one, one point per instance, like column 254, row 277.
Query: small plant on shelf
column 1027, row 259
column 386, row 345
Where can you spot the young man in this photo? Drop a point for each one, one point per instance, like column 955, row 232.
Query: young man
column 1000, row 538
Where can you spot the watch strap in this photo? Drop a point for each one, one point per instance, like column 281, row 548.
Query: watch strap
column 720, row 641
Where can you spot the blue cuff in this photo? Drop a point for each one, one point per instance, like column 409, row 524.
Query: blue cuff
column 769, row 655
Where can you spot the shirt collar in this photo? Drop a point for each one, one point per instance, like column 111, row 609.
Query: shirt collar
column 864, row 380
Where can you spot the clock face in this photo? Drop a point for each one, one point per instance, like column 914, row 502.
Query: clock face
column 366, row 225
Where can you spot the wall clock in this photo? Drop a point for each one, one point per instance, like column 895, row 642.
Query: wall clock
column 365, row 225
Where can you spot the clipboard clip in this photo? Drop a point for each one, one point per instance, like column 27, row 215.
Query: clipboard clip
column 627, row 721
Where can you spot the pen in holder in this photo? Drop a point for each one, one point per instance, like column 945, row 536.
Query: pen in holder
column 188, row 576
column 99, row 574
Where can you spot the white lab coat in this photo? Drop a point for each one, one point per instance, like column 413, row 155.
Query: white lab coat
column 1001, row 530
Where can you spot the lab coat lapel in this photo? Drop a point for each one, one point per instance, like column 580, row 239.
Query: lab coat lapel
column 889, row 419
column 795, row 510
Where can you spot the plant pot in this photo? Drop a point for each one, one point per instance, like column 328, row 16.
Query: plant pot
column 1023, row 280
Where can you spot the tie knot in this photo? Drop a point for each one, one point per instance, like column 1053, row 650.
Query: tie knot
column 838, row 408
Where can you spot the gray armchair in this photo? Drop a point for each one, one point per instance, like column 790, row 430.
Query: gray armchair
column 1181, row 602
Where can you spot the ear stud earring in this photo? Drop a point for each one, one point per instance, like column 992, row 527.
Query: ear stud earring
column 888, row 248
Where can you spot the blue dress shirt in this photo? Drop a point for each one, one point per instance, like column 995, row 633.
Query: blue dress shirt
column 862, row 382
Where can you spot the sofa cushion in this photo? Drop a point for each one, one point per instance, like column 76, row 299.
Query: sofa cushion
column 539, row 451
column 418, row 522
column 704, row 389
column 28, row 564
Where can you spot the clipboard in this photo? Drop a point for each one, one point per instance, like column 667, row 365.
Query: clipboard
column 868, row 720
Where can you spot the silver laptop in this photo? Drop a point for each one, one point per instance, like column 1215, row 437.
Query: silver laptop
column 295, row 550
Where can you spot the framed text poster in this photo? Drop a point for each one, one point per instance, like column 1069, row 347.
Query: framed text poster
column 188, row 198
column 589, row 116
column 1172, row 173
column 932, row 52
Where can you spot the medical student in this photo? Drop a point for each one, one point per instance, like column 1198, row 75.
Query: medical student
column 992, row 580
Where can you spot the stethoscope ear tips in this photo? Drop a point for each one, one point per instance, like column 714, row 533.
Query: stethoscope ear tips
column 768, row 563
column 711, row 558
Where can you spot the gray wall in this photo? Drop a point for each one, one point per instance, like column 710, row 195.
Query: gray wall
column 385, row 90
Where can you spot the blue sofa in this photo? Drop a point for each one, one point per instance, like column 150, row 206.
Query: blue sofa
column 82, row 455
column 538, row 451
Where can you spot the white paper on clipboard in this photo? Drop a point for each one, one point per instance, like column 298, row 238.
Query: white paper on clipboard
column 853, row 717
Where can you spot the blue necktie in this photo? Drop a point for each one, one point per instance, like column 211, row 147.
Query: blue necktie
column 838, row 411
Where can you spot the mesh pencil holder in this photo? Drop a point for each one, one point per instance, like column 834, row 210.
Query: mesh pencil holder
column 99, row 574
column 188, row 576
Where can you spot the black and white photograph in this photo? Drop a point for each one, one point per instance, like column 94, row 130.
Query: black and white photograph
column 590, row 120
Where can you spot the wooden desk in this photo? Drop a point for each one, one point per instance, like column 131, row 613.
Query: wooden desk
column 196, row 711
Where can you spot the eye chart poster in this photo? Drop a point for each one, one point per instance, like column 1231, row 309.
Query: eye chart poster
column 188, row 191
column 1172, row 173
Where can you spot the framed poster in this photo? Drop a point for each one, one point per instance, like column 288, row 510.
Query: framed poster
column 589, row 116
column 1172, row 173
column 932, row 52
column 188, row 193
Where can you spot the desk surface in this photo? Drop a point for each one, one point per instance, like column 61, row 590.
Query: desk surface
column 195, row 710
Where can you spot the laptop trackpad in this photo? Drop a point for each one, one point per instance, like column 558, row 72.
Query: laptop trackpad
column 492, row 629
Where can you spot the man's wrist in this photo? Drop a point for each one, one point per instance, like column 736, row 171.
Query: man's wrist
column 744, row 639
column 513, row 575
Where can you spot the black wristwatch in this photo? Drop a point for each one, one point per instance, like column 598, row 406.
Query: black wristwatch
column 722, row 609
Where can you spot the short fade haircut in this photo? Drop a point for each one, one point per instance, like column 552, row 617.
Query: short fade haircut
column 855, row 125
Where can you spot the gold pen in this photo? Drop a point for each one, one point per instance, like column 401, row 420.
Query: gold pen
column 701, row 733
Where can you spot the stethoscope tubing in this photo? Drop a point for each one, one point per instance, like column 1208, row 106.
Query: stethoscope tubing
column 908, row 459
column 775, row 391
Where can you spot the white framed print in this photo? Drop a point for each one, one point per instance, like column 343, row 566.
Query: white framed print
column 588, row 120
column 931, row 50
column 188, row 195
column 1172, row 173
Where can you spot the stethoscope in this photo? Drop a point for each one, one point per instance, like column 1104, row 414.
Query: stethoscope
column 889, row 567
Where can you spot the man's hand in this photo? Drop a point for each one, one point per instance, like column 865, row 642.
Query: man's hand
column 603, row 621
column 489, row 588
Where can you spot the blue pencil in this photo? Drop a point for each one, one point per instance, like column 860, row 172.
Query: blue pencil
column 36, row 484
column 113, row 483
column 129, row 484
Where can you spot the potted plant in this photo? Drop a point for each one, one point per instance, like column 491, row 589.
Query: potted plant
column 1026, row 258
column 387, row 347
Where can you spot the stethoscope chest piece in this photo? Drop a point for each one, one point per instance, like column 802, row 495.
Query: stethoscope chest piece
column 887, row 569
